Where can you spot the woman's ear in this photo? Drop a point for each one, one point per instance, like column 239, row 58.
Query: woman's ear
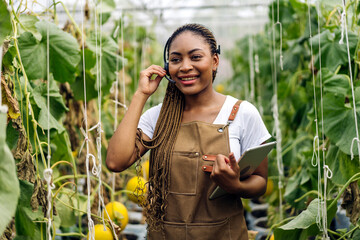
column 215, row 62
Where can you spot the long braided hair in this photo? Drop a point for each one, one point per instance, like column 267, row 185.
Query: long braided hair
column 166, row 131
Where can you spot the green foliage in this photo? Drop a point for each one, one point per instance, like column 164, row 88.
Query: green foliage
column 25, row 219
column 299, row 96
column 5, row 22
column 333, row 53
column 57, row 106
column 106, row 48
column 63, row 53
column 9, row 188
column 303, row 225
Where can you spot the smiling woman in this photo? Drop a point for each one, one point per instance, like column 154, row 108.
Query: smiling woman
column 193, row 127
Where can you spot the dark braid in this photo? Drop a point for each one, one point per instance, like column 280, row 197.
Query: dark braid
column 165, row 134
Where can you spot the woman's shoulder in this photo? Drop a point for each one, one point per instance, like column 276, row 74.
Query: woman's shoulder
column 154, row 110
column 245, row 106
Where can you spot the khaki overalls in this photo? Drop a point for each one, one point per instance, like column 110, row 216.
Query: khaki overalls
column 190, row 214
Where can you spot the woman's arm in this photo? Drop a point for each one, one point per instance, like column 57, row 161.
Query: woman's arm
column 226, row 173
column 121, row 152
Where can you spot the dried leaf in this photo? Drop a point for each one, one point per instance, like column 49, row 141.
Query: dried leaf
column 39, row 197
column 21, row 147
column 351, row 202
column 9, row 100
column 26, row 169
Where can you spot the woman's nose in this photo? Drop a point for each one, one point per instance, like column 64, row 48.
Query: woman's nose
column 186, row 65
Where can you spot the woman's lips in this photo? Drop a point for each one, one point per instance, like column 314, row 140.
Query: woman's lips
column 188, row 80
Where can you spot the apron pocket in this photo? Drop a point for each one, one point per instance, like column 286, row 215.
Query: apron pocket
column 207, row 231
column 184, row 173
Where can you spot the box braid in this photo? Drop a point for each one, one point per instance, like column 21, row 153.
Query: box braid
column 165, row 134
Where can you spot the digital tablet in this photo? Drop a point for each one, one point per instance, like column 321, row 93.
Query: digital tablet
column 248, row 162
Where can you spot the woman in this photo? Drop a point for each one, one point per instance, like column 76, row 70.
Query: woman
column 196, row 135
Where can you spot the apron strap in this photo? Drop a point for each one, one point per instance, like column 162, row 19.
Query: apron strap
column 207, row 157
column 235, row 109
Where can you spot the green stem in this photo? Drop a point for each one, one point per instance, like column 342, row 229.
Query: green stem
column 294, row 144
column 77, row 193
column 278, row 224
column 334, row 233
column 76, row 209
column 82, row 176
column 71, row 234
column 352, row 179
column 70, row 17
column 307, row 194
column 350, row 232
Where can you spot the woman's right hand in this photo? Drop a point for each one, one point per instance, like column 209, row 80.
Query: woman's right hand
column 147, row 86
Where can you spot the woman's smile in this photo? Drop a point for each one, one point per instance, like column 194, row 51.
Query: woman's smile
column 188, row 79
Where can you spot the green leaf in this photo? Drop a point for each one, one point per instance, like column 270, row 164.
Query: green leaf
column 33, row 56
column 26, row 228
column 27, row 24
column 78, row 86
column 9, row 187
column 304, row 225
column 109, row 58
column 5, row 21
column 12, row 136
column 9, row 57
column 339, row 122
column 57, row 106
column 341, row 165
column 292, row 56
column 62, row 147
column 335, row 83
column 333, row 54
column 63, row 53
column 293, row 191
column 66, row 214
column 106, row 6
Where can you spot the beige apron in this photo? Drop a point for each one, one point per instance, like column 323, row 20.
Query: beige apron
column 190, row 214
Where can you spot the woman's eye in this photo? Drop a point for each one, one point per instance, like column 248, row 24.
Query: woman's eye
column 196, row 57
column 175, row 60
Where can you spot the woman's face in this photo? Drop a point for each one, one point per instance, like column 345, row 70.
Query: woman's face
column 191, row 63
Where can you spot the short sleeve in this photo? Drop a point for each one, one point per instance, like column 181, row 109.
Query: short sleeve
column 148, row 120
column 253, row 130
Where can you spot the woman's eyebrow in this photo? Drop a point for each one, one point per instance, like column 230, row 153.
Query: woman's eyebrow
column 190, row 52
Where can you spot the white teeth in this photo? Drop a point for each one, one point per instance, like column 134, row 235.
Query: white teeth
column 187, row 79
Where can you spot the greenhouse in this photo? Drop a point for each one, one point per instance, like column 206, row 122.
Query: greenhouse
column 202, row 119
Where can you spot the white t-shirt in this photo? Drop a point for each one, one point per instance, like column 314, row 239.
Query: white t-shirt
column 247, row 130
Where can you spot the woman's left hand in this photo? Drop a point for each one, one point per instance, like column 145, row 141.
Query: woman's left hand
column 226, row 173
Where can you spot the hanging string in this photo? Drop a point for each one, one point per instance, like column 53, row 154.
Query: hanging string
column 258, row 84
column 252, row 75
column 123, row 57
column 342, row 22
column 276, row 108
column 98, row 125
column 344, row 27
column 280, row 25
column 315, row 160
column 116, row 86
column 48, row 171
column 91, row 230
column 97, row 169
column 327, row 171
column 144, row 45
